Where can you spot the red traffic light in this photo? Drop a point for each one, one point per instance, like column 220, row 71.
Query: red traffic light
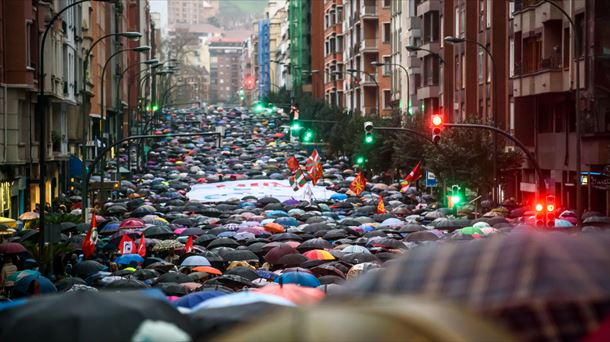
column 550, row 207
column 249, row 82
column 539, row 207
column 437, row 120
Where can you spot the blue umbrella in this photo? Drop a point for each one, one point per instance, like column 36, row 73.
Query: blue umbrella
column 242, row 298
column 277, row 213
column 227, row 234
column 299, row 278
column 287, row 221
column 196, row 260
column 559, row 223
column 338, row 197
column 110, row 227
column 193, row 299
column 266, row 274
column 127, row 259
column 22, row 286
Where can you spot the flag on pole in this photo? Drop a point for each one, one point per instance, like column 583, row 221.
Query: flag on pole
column 312, row 161
column 297, row 180
column 412, row 177
column 126, row 245
column 189, row 245
column 142, row 246
column 91, row 238
column 358, row 184
column 293, row 164
column 308, row 193
column 381, row 206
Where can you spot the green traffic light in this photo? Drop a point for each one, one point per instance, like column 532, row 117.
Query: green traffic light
column 455, row 199
column 155, row 108
column 148, row 108
column 295, row 126
column 258, row 108
column 360, row 160
column 368, row 139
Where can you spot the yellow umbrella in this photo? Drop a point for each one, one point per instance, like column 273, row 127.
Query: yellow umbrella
column 30, row 215
column 9, row 222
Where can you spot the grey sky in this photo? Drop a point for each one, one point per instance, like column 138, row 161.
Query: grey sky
column 161, row 7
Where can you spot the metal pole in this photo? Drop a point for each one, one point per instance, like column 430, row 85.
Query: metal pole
column 575, row 43
column 42, row 136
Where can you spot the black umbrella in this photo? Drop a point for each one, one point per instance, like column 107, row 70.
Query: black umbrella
column 124, row 284
column 243, row 272
column 292, row 260
column 86, row 268
column 173, row 277
column 66, row 283
column 358, row 258
column 239, row 255
column 223, row 242
column 286, row 237
column 204, row 239
column 315, row 227
column 86, row 316
column 144, row 274
column 172, row 289
column 158, row 232
column 331, row 279
column 317, row 243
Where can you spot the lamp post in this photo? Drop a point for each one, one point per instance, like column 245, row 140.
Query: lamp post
column 85, row 113
column 575, row 44
column 105, row 125
column 457, row 40
column 42, row 137
column 376, row 84
column 378, row 64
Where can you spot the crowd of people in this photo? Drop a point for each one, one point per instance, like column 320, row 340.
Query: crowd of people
column 278, row 252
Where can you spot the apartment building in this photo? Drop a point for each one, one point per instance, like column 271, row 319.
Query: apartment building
column 191, row 11
column 367, row 38
column 333, row 53
column 543, row 70
column 225, row 69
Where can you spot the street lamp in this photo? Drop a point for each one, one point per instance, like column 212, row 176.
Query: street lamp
column 376, row 83
column 575, row 44
column 457, row 40
column 142, row 49
column 379, row 64
column 85, row 114
column 40, row 114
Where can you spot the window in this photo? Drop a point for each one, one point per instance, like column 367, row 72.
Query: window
column 480, row 66
column 387, row 3
column 488, row 13
column 387, row 99
column 532, row 53
column 431, row 70
column 462, row 21
column 580, row 31
column 386, row 32
column 457, row 22
column 28, row 44
column 463, row 76
column 431, row 25
column 386, row 65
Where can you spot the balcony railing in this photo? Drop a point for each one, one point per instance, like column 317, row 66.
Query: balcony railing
column 368, row 11
column 369, row 44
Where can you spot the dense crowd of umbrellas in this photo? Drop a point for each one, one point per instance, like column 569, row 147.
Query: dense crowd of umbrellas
column 259, row 268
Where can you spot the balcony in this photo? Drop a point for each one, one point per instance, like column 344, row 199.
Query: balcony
column 432, row 46
column 427, row 92
column 533, row 17
column 356, row 49
column 549, row 78
column 368, row 12
column 427, row 6
column 369, row 45
column 366, row 81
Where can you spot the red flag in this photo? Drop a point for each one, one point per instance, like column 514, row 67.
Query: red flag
column 411, row 177
column 189, row 245
column 358, row 184
column 316, row 173
column 142, row 246
column 91, row 238
column 126, row 245
column 381, row 206
column 293, row 164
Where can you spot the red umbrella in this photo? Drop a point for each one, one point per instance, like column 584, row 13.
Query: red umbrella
column 294, row 293
column 132, row 223
column 201, row 180
column 11, row 248
column 278, row 135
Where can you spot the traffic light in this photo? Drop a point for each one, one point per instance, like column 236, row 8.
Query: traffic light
column 295, row 126
column 456, row 196
column 437, row 126
column 308, row 137
column 241, row 94
column 249, row 82
column 155, row 108
column 540, row 215
column 550, row 211
column 258, row 107
column 368, row 132
column 360, row 160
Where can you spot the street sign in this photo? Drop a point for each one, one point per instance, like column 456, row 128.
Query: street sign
column 431, row 181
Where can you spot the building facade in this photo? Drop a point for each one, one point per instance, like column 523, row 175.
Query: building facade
column 225, row 70
column 191, row 11
column 333, row 52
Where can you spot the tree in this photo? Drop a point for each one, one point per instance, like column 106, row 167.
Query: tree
column 470, row 152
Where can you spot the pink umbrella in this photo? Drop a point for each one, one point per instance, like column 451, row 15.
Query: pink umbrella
column 132, row 223
column 179, row 230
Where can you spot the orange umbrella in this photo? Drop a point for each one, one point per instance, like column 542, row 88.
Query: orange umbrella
column 318, row 254
column 274, row 228
column 294, row 293
column 207, row 269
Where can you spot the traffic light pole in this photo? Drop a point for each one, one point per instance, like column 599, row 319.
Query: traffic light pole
column 540, row 188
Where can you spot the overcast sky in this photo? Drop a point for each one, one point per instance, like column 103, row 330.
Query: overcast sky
column 161, row 7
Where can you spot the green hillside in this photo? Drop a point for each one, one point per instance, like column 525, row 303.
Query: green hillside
column 236, row 7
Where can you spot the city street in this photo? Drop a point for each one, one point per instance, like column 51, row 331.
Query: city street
column 303, row 170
